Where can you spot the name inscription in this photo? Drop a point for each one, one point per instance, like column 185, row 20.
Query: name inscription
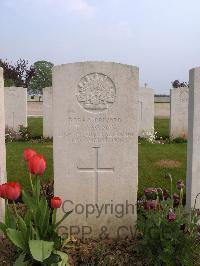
column 97, row 130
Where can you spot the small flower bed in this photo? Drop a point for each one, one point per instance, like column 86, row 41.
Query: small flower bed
column 35, row 233
column 169, row 235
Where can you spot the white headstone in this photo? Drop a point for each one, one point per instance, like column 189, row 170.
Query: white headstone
column 48, row 112
column 146, row 111
column 15, row 107
column 96, row 147
column 2, row 142
column 179, row 112
column 193, row 152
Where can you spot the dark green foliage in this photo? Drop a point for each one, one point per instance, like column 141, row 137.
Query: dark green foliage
column 42, row 77
column 18, row 74
column 24, row 133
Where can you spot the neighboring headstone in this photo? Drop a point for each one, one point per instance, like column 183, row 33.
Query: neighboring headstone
column 2, row 143
column 146, row 111
column 15, row 107
column 95, row 106
column 179, row 112
column 193, row 152
column 48, row 112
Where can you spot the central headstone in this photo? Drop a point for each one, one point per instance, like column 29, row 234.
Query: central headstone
column 2, row 142
column 95, row 113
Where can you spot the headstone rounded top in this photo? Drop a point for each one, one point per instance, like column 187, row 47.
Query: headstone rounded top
column 94, row 63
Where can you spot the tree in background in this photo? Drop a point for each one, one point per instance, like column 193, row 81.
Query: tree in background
column 42, row 77
column 178, row 84
column 19, row 74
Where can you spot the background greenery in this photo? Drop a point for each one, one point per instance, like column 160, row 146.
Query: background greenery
column 150, row 172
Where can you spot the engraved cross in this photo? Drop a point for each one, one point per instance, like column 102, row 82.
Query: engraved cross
column 96, row 170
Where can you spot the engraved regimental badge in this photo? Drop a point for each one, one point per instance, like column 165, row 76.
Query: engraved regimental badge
column 96, row 92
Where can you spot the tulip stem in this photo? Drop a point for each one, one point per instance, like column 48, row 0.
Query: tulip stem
column 54, row 216
column 31, row 182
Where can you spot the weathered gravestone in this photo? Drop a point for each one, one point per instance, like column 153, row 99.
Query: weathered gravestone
column 48, row 112
column 179, row 112
column 193, row 152
column 15, row 107
column 2, row 142
column 146, row 111
column 95, row 106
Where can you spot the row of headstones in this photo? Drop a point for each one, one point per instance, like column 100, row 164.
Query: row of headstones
column 16, row 110
column 95, row 131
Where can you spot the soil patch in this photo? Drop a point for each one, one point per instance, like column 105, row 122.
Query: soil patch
column 168, row 164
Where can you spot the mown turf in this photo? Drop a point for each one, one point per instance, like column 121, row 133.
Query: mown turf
column 162, row 127
column 150, row 174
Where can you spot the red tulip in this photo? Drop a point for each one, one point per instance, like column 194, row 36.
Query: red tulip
column 10, row 190
column 28, row 154
column 3, row 191
column 56, row 202
column 37, row 164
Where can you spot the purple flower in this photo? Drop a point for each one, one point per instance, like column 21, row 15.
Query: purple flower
column 176, row 198
column 150, row 205
column 150, row 190
column 171, row 216
column 180, row 184
column 165, row 194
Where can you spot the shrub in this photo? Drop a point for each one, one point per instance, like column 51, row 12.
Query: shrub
column 24, row 133
column 10, row 134
column 169, row 236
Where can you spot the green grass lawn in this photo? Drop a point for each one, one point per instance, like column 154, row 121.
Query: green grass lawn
column 162, row 126
column 151, row 170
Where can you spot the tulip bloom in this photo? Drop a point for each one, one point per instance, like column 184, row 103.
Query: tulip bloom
column 150, row 205
column 56, row 202
column 150, row 190
column 10, row 191
column 37, row 164
column 180, row 184
column 176, row 198
column 171, row 216
column 28, row 154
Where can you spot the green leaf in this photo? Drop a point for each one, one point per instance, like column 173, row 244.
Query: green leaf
column 20, row 261
column 64, row 259
column 3, row 227
column 40, row 249
column 23, row 228
column 10, row 219
column 64, row 217
column 28, row 200
column 16, row 238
